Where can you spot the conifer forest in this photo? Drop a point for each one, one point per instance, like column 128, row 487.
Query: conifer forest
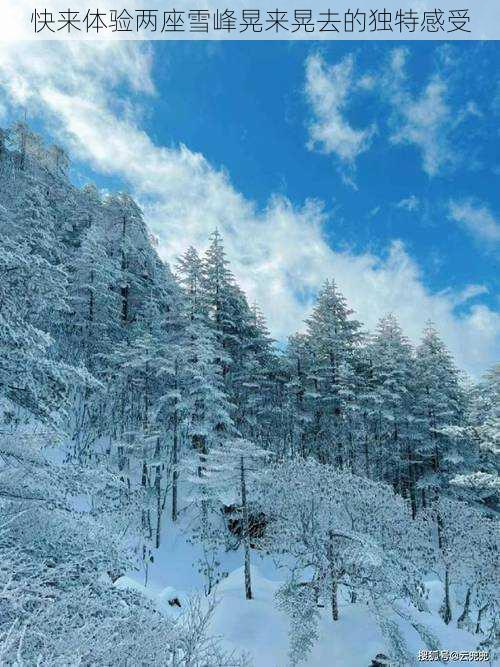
column 340, row 487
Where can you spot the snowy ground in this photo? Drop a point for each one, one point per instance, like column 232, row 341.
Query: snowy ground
column 260, row 629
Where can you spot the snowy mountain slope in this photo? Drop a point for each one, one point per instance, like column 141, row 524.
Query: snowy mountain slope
column 148, row 423
column 261, row 630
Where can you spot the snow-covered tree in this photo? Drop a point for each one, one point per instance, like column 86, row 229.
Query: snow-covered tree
column 333, row 338
column 94, row 304
column 440, row 402
column 344, row 531
column 471, row 562
column 388, row 401
column 482, row 431
column 130, row 396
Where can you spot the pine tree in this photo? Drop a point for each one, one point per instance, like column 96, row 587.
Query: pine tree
column 480, row 482
column 333, row 338
column 94, row 304
column 441, row 402
column 252, row 385
column 299, row 361
column 226, row 305
column 389, row 403
column 129, row 246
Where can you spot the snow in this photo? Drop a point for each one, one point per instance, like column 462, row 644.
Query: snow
column 160, row 393
column 259, row 629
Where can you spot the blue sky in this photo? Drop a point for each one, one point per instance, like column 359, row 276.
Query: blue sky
column 251, row 117
column 370, row 162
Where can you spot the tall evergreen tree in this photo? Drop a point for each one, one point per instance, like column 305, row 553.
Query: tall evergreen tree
column 333, row 338
column 390, row 401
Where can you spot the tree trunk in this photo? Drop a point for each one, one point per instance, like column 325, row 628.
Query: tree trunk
column 146, row 564
column 200, row 445
column 464, row 616
column 446, row 608
column 246, row 536
column 175, row 455
column 411, row 483
column 335, row 603
column 334, row 589
column 479, row 616
column 158, row 492
column 175, row 473
column 439, row 527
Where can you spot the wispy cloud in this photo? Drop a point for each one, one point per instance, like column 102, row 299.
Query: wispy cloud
column 421, row 119
column 279, row 253
column 426, row 118
column 329, row 90
column 410, row 204
column 470, row 292
column 476, row 218
column 374, row 212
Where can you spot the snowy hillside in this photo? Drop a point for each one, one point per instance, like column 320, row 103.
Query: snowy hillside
column 177, row 489
column 261, row 630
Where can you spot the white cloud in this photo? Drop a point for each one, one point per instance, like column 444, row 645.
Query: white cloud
column 279, row 254
column 476, row 218
column 328, row 91
column 422, row 120
column 470, row 292
column 410, row 204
